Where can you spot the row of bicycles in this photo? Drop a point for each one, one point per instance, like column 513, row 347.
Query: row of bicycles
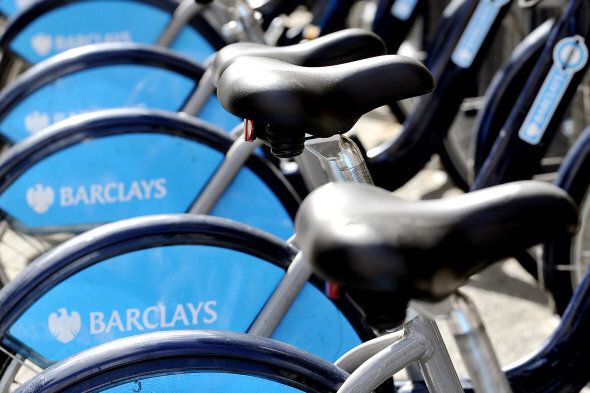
column 185, row 207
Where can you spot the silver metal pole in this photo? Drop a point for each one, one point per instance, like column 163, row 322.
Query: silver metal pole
column 354, row 358
column 202, row 94
column 234, row 160
column 281, row 299
column 475, row 347
column 335, row 159
column 181, row 16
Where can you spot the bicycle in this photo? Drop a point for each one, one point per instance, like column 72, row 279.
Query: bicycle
column 502, row 155
column 339, row 161
column 383, row 227
column 62, row 146
column 199, row 99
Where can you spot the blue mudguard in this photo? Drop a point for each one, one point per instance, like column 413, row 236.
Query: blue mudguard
column 118, row 75
column 164, row 273
column 133, row 162
column 48, row 27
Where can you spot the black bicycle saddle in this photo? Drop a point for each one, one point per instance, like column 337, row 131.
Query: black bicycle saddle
column 391, row 251
column 322, row 101
column 336, row 48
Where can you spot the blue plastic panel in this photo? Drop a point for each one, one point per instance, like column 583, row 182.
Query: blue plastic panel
column 191, row 43
column 115, row 86
column 175, row 287
column 130, row 175
column 315, row 325
column 210, row 382
column 96, row 21
column 214, row 113
column 238, row 204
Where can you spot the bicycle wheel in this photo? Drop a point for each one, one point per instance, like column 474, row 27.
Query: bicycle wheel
column 565, row 263
column 187, row 361
column 119, row 76
column 194, row 272
column 50, row 27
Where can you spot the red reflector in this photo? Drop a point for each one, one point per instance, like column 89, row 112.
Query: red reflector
column 249, row 130
column 333, row 290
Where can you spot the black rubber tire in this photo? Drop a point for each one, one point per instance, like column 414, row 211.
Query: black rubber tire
column 573, row 178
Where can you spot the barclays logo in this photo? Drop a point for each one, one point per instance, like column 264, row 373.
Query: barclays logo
column 36, row 121
column 154, row 317
column 63, row 326
column 113, row 192
column 42, row 43
column 40, row 198
column 476, row 32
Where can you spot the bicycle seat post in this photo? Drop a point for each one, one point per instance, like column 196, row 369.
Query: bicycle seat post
column 201, row 95
column 475, row 346
column 334, row 159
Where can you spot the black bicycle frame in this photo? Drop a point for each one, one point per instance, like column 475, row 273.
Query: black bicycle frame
column 394, row 163
column 503, row 91
column 525, row 137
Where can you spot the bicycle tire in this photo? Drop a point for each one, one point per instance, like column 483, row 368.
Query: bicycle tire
column 162, row 353
column 573, row 177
